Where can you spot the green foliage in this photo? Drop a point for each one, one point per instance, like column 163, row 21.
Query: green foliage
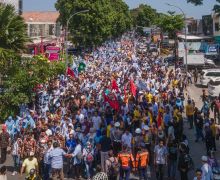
column 105, row 19
column 144, row 15
column 195, row 2
column 171, row 23
column 216, row 7
column 12, row 29
column 23, row 76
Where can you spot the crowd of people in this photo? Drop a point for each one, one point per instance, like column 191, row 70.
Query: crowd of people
column 123, row 114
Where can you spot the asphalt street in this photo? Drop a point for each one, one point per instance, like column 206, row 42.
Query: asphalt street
column 196, row 149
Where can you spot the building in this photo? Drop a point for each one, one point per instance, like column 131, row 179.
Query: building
column 43, row 29
column 216, row 26
column 42, row 24
column 207, row 25
column 18, row 4
column 194, row 26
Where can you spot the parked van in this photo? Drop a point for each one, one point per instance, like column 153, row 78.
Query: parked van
column 207, row 74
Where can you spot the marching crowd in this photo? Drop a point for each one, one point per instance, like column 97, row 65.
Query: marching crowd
column 123, row 114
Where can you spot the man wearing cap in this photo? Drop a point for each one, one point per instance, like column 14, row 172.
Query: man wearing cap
column 115, row 136
column 206, row 169
column 28, row 164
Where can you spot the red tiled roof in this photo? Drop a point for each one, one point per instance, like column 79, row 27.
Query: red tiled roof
column 38, row 16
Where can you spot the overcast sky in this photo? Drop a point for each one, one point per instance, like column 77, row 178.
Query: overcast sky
column 189, row 9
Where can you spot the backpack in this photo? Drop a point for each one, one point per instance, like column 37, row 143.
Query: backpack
column 189, row 162
column 89, row 157
column 114, row 168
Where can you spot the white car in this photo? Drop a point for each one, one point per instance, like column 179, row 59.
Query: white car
column 214, row 87
column 207, row 74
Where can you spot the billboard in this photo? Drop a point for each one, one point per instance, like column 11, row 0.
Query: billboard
column 52, row 53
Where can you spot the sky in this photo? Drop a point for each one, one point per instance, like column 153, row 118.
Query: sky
column 189, row 9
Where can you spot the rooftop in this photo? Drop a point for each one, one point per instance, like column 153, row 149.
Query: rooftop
column 40, row 16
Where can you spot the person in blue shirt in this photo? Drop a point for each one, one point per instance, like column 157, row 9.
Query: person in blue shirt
column 70, row 143
column 10, row 125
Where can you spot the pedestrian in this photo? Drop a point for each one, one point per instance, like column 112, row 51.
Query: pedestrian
column 189, row 113
column 126, row 160
column 160, row 159
column 208, row 139
column 183, row 162
column 199, row 127
column 105, row 145
column 30, row 163
column 142, row 162
column 112, row 166
column 47, row 161
column 198, row 174
column 56, row 158
column 100, row 175
column 3, row 171
column 88, row 154
column 16, row 153
column 4, row 143
column 206, row 169
column 172, row 158
column 77, row 159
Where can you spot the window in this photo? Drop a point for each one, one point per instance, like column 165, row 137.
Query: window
column 215, row 74
column 51, row 29
column 216, row 26
column 214, row 83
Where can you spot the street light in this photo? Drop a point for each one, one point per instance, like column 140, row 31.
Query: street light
column 185, row 31
column 67, row 26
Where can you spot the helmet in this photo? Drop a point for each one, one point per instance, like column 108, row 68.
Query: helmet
column 117, row 124
column 138, row 131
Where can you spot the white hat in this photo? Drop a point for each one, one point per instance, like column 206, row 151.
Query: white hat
column 204, row 158
column 117, row 124
column 31, row 153
column 146, row 128
column 138, row 131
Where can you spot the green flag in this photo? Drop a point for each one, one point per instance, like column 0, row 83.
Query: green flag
column 82, row 67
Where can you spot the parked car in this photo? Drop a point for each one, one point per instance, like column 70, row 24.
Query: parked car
column 207, row 74
column 214, row 87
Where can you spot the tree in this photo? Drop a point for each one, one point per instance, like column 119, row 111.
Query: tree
column 144, row 15
column 216, row 7
column 97, row 25
column 171, row 23
column 12, row 37
column 24, row 75
column 12, row 29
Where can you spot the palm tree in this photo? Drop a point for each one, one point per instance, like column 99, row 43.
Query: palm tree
column 12, row 29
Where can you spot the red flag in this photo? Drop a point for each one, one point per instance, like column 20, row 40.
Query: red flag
column 70, row 72
column 115, row 85
column 112, row 102
column 133, row 88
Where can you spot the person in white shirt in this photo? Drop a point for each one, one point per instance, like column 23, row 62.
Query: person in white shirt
column 126, row 139
column 96, row 120
column 77, row 158
column 206, row 169
column 47, row 163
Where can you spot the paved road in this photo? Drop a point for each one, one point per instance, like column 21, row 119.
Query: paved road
column 196, row 149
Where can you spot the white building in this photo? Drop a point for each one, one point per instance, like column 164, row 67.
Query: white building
column 16, row 3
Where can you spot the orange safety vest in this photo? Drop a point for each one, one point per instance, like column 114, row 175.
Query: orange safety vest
column 125, row 158
column 142, row 159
